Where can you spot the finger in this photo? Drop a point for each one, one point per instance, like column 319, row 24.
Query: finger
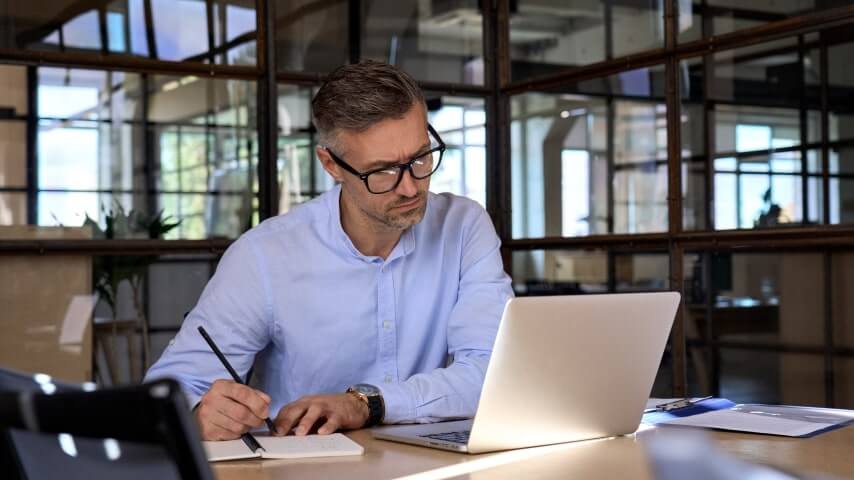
column 231, row 428
column 212, row 419
column 288, row 417
column 331, row 426
column 232, row 409
column 212, row 432
column 239, row 413
column 251, row 398
column 312, row 415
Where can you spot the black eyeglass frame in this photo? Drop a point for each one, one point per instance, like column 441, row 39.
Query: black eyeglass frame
column 401, row 166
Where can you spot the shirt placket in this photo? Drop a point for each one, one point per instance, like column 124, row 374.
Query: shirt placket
column 386, row 323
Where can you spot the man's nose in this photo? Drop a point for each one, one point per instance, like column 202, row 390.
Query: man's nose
column 407, row 186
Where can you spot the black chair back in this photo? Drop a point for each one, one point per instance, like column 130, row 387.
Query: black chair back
column 51, row 430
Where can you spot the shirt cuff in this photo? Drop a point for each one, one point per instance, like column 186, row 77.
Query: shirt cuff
column 398, row 405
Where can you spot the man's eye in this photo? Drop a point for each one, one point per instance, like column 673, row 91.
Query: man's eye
column 389, row 171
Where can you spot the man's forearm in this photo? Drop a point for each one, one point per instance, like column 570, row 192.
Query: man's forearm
column 443, row 394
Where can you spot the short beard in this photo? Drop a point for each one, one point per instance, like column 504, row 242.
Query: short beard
column 403, row 220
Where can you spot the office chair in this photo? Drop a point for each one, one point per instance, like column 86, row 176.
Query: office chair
column 50, row 430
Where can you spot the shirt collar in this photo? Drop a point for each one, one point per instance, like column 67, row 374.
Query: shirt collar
column 404, row 247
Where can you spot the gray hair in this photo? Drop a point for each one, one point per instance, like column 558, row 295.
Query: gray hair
column 357, row 96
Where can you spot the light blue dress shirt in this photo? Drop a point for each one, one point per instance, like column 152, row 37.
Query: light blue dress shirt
column 296, row 297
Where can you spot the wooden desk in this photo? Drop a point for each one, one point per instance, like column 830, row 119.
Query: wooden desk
column 624, row 457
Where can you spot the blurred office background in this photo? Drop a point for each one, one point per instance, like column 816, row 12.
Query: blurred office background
column 703, row 146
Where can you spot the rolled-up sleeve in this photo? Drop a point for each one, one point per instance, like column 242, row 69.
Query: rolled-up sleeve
column 236, row 312
column 454, row 391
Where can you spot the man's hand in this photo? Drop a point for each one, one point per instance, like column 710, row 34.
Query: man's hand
column 230, row 409
column 329, row 412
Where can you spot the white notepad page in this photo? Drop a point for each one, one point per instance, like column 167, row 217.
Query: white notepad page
column 228, row 450
column 335, row 445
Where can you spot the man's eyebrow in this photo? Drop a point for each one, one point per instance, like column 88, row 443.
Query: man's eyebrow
column 389, row 163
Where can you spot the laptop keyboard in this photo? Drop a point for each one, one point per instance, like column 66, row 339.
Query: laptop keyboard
column 453, row 437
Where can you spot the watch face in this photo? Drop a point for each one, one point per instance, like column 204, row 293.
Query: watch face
column 366, row 389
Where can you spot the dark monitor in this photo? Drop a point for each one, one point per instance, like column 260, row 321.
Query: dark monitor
column 50, row 430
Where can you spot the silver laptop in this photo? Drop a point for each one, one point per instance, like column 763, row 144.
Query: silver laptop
column 564, row 368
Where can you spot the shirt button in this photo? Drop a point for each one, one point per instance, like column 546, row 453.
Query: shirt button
column 387, row 379
column 387, row 325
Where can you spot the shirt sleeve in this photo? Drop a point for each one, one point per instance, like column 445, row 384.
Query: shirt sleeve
column 235, row 310
column 454, row 391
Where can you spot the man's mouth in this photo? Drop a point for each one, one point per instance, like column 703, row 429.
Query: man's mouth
column 411, row 203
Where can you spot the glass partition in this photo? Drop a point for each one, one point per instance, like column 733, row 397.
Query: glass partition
column 210, row 31
column 546, row 37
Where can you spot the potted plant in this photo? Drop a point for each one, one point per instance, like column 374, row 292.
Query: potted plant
column 109, row 272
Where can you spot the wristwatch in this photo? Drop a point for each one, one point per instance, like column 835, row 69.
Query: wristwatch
column 373, row 399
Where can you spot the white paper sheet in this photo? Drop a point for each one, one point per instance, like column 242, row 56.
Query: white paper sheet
column 768, row 419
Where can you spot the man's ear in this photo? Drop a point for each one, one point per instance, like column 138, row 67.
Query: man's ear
column 328, row 164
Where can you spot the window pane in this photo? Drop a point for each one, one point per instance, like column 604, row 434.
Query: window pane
column 82, row 31
column 177, row 24
column 727, row 16
column 764, row 74
column 546, row 37
column 841, row 81
column 67, row 209
column 460, row 122
column 560, row 272
column 180, row 29
column 771, row 377
column 640, row 178
column 433, row 41
column 842, row 185
column 642, row 82
column 759, row 301
column 550, row 133
column 301, row 176
column 196, row 155
column 694, row 161
column 762, row 174
column 747, row 128
column 311, row 37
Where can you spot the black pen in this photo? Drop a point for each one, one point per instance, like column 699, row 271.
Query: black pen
column 228, row 367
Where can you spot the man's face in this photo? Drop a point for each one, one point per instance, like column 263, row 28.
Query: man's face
column 387, row 143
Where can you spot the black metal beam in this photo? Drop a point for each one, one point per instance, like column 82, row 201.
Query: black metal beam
column 496, row 68
column 125, row 63
column 354, row 34
column 674, row 198
column 111, row 247
column 32, row 145
column 150, row 36
column 267, row 113
column 740, row 38
column 816, row 237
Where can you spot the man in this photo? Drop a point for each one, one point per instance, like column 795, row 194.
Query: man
column 351, row 303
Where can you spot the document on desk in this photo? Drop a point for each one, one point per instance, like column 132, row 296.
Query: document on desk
column 789, row 421
column 334, row 445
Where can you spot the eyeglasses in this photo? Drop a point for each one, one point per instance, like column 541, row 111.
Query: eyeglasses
column 386, row 179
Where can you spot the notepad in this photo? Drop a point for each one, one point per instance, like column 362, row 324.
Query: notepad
column 334, row 445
